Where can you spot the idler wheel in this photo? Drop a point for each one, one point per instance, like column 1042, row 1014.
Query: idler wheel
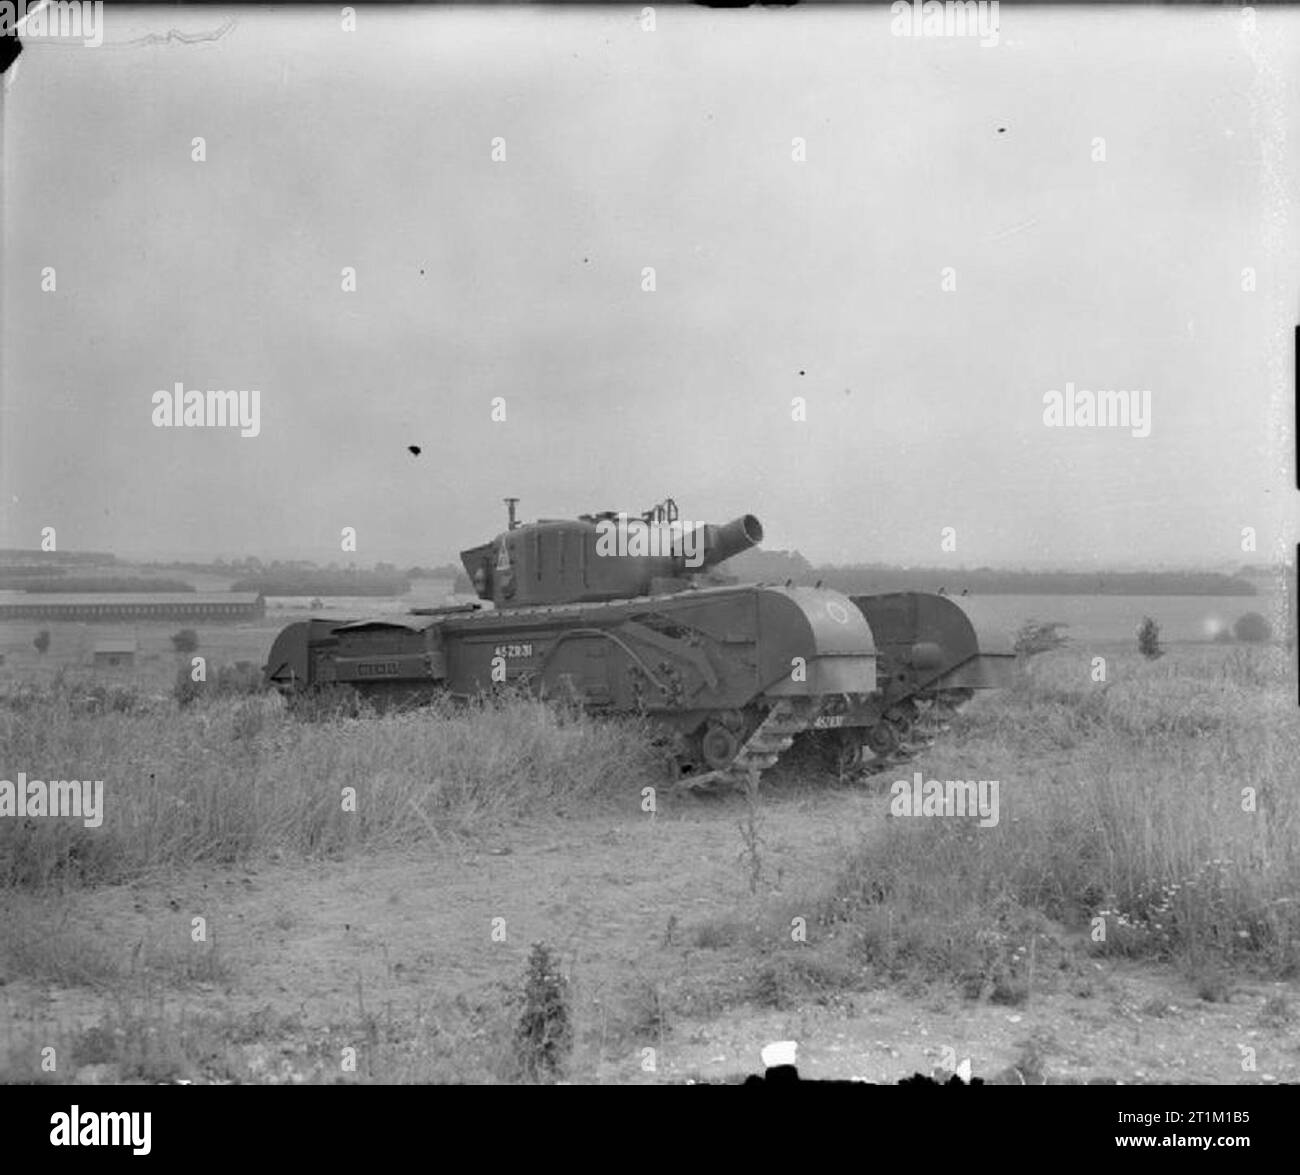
column 718, row 746
column 883, row 739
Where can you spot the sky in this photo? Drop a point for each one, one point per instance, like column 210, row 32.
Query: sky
column 798, row 357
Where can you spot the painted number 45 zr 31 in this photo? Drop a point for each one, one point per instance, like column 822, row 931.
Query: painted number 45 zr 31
column 514, row 650
column 828, row 721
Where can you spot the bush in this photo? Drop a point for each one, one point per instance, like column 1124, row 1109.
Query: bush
column 221, row 681
column 42, row 641
column 185, row 641
column 1039, row 636
column 1252, row 627
column 1149, row 639
column 544, row 1035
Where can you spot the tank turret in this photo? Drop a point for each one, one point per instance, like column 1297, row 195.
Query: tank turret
column 605, row 556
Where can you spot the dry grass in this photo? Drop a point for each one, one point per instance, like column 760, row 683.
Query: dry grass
column 234, row 778
column 225, row 780
column 1125, row 828
column 1128, row 801
column 1120, row 800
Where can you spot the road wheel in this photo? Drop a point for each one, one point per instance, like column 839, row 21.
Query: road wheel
column 882, row 740
column 718, row 746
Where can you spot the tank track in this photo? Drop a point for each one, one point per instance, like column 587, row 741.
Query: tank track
column 908, row 729
column 769, row 740
column 924, row 719
column 915, row 726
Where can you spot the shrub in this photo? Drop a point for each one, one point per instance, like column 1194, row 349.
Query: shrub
column 1149, row 639
column 1252, row 627
column 185, row 641
column 1039, row 636
column 42, row 641
column 186, row 688
column 544, row 1034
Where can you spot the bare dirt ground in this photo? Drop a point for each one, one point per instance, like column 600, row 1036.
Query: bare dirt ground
column 382, row 949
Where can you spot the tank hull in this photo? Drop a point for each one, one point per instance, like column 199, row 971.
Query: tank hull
column 734, row 675
column 712, row 666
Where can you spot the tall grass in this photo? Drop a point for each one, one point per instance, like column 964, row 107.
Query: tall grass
column 225, row 780
column 1126, row 812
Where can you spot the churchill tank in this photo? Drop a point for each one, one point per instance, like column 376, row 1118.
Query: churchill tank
column 631, row 615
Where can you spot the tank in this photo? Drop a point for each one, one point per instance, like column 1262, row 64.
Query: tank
column 629, row 615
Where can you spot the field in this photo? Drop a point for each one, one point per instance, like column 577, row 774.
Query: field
column 370, row 889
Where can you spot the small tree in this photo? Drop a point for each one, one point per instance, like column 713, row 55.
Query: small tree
column 1149, row 639
column 1252, row 627
column 544, row 1034
column 42, row 641
column 185, row 641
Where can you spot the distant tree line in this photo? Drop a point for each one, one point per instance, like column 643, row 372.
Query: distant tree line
column 990, row 582
column 19, row 555
column 96, row 584
column 305, row 578
column 875, row 577
column 30, row 571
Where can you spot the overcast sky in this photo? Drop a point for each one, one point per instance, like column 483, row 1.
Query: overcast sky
column 774, row 279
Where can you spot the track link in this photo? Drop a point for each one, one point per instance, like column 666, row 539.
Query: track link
column 769, row 740
column 933, row 721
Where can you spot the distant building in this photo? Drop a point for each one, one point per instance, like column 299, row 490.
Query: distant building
column 119, row 606
column 118, row 654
